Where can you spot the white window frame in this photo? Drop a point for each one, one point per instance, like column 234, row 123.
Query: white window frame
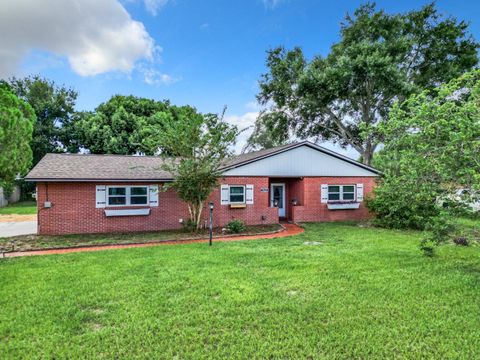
column 341, row 192
column 128, row 195
column 230, row 194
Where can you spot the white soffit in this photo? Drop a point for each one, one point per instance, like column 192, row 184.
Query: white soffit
column 300, row 161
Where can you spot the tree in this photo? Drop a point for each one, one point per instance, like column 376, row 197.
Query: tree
column 54, row 107
column 123, row 125
column 262, row 138
column 16, row 127
column 194, row 148
column 432, row 149
column 380, row 59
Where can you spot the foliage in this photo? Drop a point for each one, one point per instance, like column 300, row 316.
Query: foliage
column 54, row 107
column 269, row 298
column 439, row 230
column 380, row 58
column 262, row 138
column 432, row 148
column 16, row 127
column 123, row 124
column 236, row 226
column 194, row 147
column 189, row 225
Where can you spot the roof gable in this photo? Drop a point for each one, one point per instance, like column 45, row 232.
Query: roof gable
column 300, row 159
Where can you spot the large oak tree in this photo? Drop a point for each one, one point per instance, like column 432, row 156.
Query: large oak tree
column 380, row 59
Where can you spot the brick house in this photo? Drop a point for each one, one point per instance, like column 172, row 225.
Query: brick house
column 114, row 193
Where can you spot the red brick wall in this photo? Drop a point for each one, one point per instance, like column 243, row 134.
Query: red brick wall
column 252, row 214
column 313, row 210
column 73, row 211
column 73, row 207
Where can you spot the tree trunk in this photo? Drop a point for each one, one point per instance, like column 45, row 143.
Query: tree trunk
column 367, row 154
column 199, row 214
column 195, row 211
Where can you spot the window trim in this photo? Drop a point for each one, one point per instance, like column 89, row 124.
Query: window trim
column 341, row 193
column 128, row 195
column 244, row 187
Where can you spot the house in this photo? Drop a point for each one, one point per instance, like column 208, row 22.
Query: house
column 299, row 182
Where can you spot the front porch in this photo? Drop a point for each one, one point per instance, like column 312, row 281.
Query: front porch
column 285, row 194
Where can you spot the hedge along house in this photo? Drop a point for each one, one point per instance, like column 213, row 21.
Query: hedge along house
column 299, row 182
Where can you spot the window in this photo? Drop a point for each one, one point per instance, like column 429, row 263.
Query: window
column 138, row 195
column 237, row 194
column 117, row 196
column 341, row 193
column 127, row 195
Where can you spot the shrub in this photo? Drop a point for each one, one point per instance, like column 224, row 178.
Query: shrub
column 439, row 231
column 401, row 203
column 236, row 226
column 189, row 225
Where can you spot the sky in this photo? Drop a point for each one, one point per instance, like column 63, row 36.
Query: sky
column 208, row 54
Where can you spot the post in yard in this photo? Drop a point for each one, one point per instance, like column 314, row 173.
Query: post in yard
column 211, row 223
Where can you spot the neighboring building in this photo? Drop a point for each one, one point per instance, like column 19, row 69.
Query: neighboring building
column 113, row 193
column 9, row 198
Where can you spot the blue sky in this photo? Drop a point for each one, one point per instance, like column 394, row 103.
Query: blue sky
column 206, row 53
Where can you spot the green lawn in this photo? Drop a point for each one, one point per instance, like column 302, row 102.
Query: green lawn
column 350, row 292
column 21, row 208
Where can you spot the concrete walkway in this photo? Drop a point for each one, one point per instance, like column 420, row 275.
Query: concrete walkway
column 14, row 228
column 290, row 230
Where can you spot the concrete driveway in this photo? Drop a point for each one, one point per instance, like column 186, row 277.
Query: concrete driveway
column 15, row 228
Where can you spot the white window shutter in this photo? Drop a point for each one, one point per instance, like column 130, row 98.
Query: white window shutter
column 225, row 195
column 359, row 192
column 249, row 194
column 153, row 195
column 100, row 196
column 324, row 194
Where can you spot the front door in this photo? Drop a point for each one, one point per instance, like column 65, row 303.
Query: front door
column 277, row 198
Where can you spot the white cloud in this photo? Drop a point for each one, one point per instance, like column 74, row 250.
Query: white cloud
column 95, row 36
column 271, row 4
column 153, row 6
column 253, row 105
column 153, row 77
column 243, row 122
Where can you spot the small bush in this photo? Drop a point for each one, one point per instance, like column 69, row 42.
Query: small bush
column 189, row 225
column 439, row 231
column 236, row 226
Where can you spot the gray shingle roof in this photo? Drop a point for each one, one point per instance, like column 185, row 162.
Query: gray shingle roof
column 83, row 167
column 77, row 167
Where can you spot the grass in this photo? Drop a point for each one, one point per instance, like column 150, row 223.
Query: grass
column 35, row 242
column 336, row 291
column 20, row 208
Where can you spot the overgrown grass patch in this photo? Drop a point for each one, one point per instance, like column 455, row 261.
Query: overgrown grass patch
column 20, row 208
column 357, row 293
